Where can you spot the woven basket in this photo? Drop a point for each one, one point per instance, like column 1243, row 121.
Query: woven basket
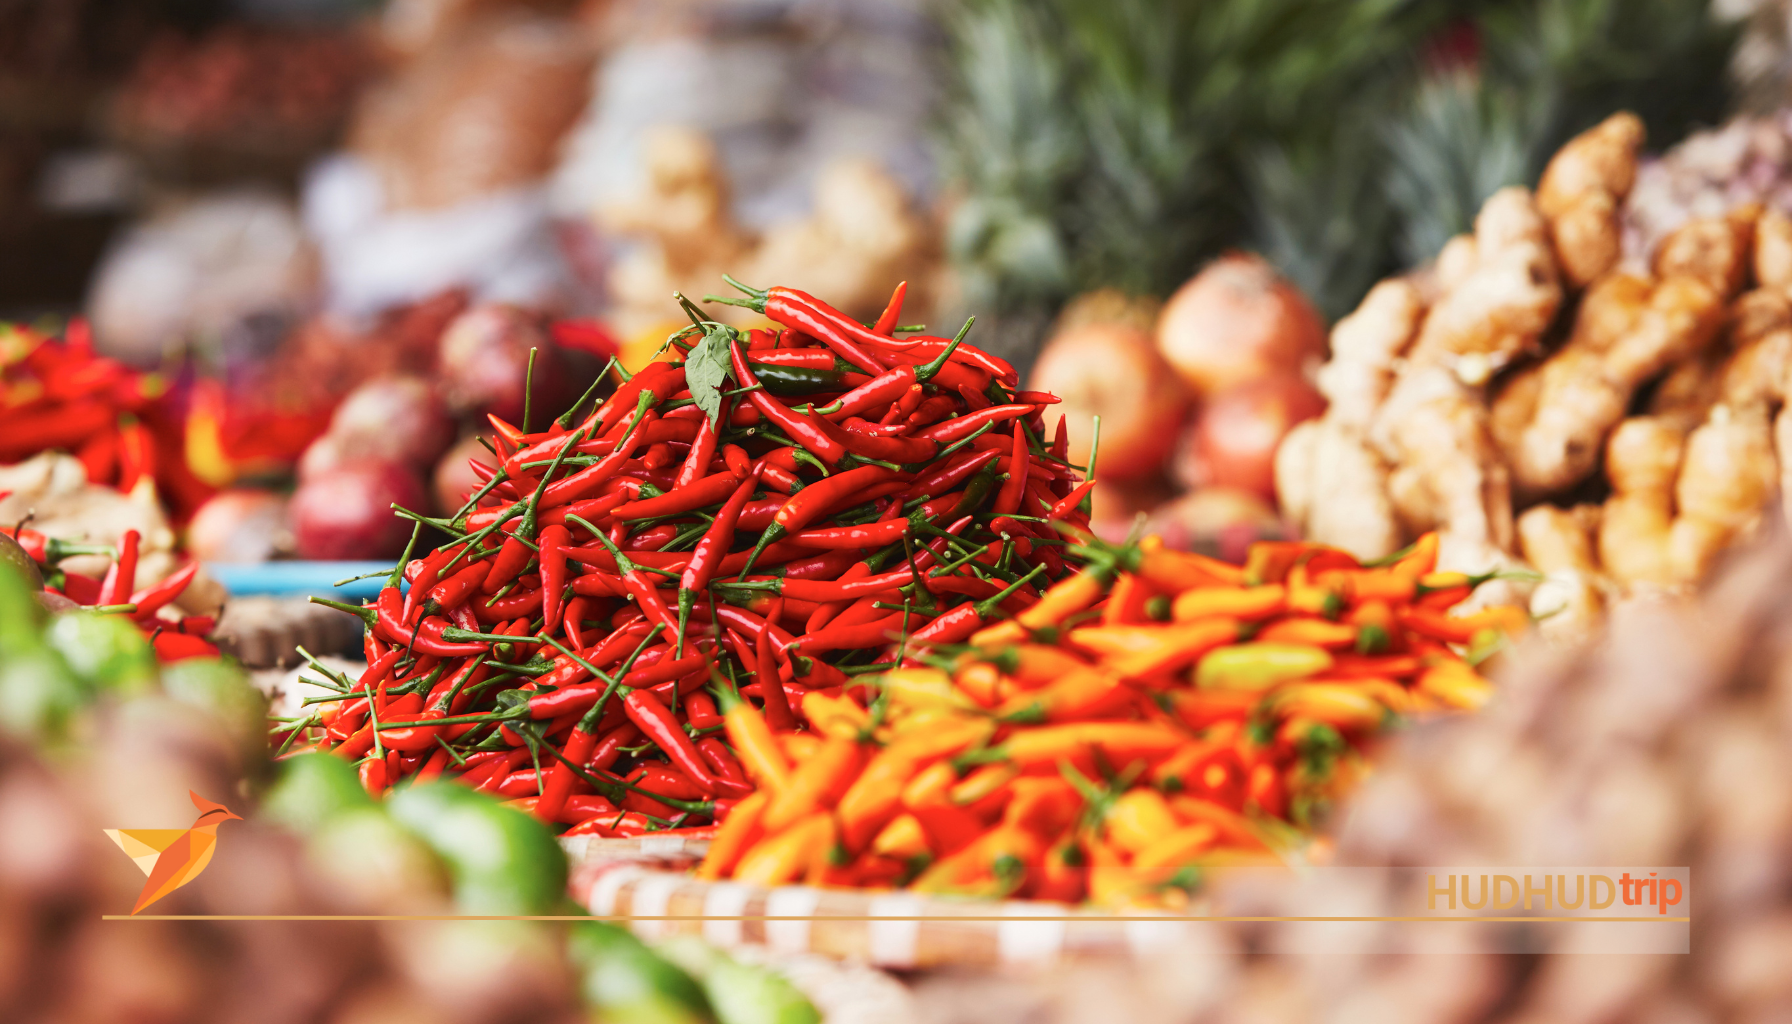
column 646, row 882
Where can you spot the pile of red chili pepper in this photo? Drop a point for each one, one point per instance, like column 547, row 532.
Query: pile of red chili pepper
column 175, row 637
column 774, row 513
column 124, row 425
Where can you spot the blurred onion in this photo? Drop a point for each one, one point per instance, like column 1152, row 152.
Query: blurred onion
column 1112, row 370
column 346, row 512
column 454, row 479
column 1235, row 321
column 484, row 358
column 398, row 419
column 238, row 525
column 1232, row 440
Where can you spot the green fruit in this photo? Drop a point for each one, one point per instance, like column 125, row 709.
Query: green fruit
column 20, row 614
column 370, row 857
column 626, row 981
column 744, row 994
column 313, row 789
column 502, row 861
column 13, row 557
column 107, row 652
column 37, row 694
column 221, row 688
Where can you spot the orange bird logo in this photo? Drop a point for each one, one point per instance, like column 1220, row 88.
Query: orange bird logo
column 172, row 857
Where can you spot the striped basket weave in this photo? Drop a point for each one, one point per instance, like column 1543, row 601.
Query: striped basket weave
column 647, row 883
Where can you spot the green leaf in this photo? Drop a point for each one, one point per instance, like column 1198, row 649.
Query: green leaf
column 707, row 367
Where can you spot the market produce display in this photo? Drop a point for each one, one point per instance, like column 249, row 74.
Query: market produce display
column 1155, row 713
column 1627, row 454
column 600, row 557
column 58, row 394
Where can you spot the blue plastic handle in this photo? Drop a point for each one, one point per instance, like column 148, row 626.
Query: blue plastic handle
column 276, row 578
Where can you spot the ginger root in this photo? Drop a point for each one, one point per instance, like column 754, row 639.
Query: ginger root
column 1558, row 542
column 1552, row 419
column 1365, row 345
column 1678, row 499
column 1580, row 192
column 1498, row 309
column 1335, row 488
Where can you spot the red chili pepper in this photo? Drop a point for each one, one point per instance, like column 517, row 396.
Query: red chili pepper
column 712, row 548
column 1008, row 498
column 153, row 597
column 641, row 587
column 554, row 542
column 964, row 426
column 1068, row 504
column 652, row 378
column 454, row 591
column 524, row 601
column 696, row 461
column 958, row 624
column 573, row 621
column 657, row 723
column 958, row 469
column 892, row 384
column 803, row 312
column 777, row 705
column 730, row 777
column 700, row 711
column 892, row 314
column 856, row 635
column 932, row 410
column 810, row 503
column 121, row 579
column 888, row 449
column 706, row 491
column 871, row 535
column 801, row 428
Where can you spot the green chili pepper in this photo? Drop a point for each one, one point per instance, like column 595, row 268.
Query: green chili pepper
column 1257, row 666
column 797, row 381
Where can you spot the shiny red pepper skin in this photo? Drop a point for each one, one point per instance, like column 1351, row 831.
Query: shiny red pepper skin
column 1008, row 498
column 777, row 705
column 802, row 429
column 730, row 778
column 871, row 535
column 158, row 594
column 554, row 541
column 657, row 723
column 712, row 547
column 424, row 638
column 696, row 461
column 707, row 491
column 964, row 426
column 454, row 591
column 121, row 579
column 803, row 312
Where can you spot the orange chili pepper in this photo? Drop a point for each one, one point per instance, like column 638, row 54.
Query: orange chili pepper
column 1175, row 571
column 754, row 743
column 816, row 783
column 737, row 833
column 1318, row 632
column 789, row 855
column 1249, row 604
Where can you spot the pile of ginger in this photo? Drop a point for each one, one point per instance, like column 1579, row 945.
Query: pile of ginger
column 1534, row 398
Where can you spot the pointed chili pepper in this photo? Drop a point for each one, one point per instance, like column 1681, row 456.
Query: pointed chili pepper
column 893, row 383
column 892, row 314
column 957, row 625
column 777, row 706
column 798, row 427
column 1008, row 499
column 424, row 638
column 657, row 723
column 121, row 579
column 552, row 556
column 696, row 461
column 156, row 595
column 810, row 503
column 711, row 548
column 707, row 491
column 641, row 587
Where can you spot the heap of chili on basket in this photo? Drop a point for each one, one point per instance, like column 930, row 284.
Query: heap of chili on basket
column 781, row 511
column 1154, row 714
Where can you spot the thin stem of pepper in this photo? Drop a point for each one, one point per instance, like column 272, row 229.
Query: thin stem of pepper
column 451, row 751
column 528, row 387
column 1087, row 505
column 605, row 538
column 397, row 575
